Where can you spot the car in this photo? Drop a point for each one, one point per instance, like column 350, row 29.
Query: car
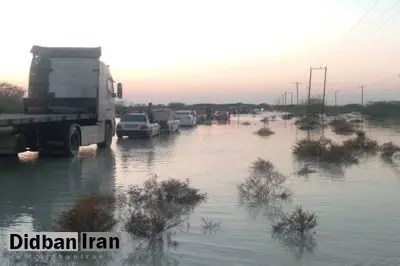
column 222, row 116
column 186, row 118
column 137, row 124
column 165, row 118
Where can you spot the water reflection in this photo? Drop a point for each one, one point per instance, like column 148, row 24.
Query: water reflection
column 297, row 243
column 141, row 150
column 330, row 169
column 42, row 188
column 151, row 253
column 209, row 227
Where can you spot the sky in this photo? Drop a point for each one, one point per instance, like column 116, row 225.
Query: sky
column 217, row 51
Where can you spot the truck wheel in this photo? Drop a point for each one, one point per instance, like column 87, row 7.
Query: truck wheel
column 73, row 142
column 107, row 137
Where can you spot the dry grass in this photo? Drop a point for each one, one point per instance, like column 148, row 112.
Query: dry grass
column 264, row 132
column 265, row 120
column 93, row 213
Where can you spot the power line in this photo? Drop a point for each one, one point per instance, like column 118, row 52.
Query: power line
column 365, row 14
column 359, row 22
column 342, row 44
column 389, row 20
column 395, row 3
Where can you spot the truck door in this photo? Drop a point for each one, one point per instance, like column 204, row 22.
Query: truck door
column 106, row 97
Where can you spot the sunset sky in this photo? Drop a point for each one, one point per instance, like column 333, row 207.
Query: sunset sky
column 217, row 51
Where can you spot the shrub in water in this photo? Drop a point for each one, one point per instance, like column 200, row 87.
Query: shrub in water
column 156, row 207
column 264, row 132
column 309, row 123
column 341, row 126
column 361, row 143
column 287, row 116
column 295, row 231
column 93, row 213
column 311, row 147
column 388, row 149
column 337, row 122
column 325, row 150
column 305, row 170
column 263, row 183
column 299, row 221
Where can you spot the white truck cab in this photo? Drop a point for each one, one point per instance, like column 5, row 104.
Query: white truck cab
column 70, row 103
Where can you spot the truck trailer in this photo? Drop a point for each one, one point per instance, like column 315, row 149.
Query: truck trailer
column 70, row 103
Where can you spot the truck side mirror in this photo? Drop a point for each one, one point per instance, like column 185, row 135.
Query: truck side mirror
column 119, row 90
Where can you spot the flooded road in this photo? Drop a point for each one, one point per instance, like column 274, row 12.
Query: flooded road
column 357, row 207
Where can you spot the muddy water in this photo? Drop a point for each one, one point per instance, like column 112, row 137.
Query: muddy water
column 357, row 207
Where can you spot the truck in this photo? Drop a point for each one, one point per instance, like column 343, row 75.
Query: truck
column 70, row 103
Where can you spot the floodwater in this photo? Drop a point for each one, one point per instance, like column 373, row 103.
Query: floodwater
column 357, row 206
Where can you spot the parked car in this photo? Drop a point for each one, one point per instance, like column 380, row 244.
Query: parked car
column 222, row 116
column 166, row 119
column 137, row 124
column 186, row 118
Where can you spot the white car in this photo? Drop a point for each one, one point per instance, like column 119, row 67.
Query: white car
column 165, row 118
column 137, row 124
column 186, row 118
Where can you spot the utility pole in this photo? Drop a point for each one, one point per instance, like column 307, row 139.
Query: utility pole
column 323, row 95
column 309, row 86
column 336, row 109
column 285, row 97
column 297, row 91
column 336, row 91
column 362, row 106
column 362, row 94
column 291, row 97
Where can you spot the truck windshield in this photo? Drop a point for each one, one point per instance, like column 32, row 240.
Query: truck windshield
column 134, row 118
